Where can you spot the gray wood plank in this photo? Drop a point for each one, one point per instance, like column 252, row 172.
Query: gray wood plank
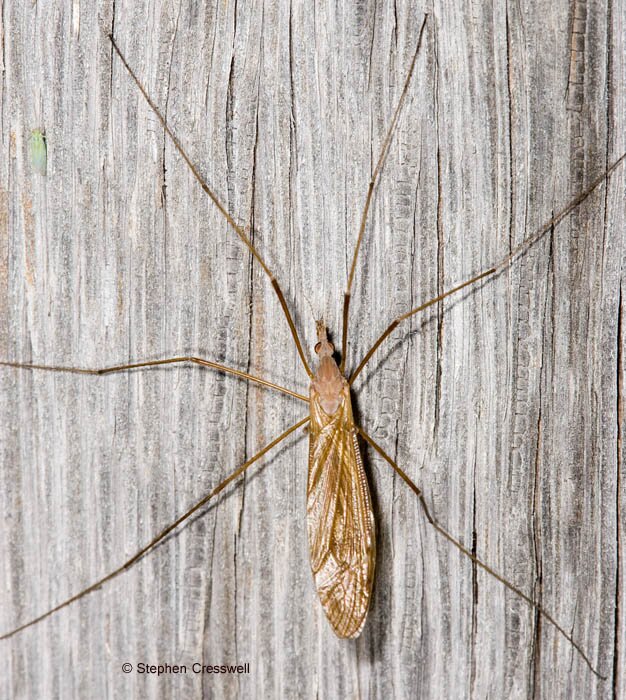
column 504, row 404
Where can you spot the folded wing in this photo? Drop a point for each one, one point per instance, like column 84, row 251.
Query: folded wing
column 340, row 520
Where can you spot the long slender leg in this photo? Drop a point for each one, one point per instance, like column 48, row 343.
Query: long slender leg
column 166, row 531
column 155, row 363
column 522, row 247
column 368, row 199
column 409, row 482
column 234, row 225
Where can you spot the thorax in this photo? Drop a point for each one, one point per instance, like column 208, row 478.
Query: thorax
column 329, row 384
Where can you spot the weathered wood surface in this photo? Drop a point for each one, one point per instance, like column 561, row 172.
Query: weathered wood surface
column 502, row 405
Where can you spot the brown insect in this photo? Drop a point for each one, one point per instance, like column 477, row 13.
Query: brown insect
column 339, row 512
column 340, row 519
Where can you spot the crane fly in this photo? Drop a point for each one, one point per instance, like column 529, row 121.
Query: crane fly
column 340, row 518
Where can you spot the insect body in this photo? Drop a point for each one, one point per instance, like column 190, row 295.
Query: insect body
column 38, row 151
column 340, row 519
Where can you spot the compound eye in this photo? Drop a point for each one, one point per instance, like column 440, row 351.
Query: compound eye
column 318, row 347
column 332, row 347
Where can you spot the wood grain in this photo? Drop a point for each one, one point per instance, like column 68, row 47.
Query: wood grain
column 505, row 405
